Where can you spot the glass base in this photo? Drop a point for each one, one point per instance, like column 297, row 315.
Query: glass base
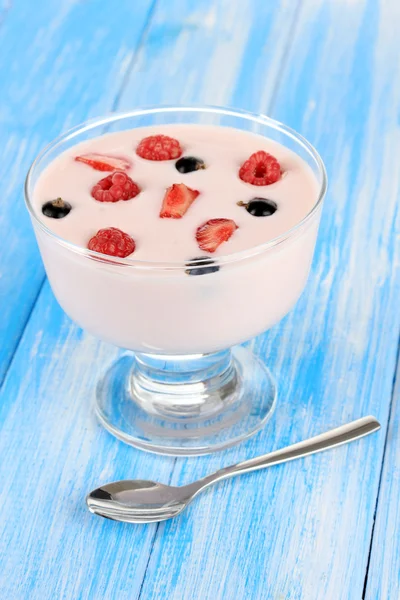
column 186, row 405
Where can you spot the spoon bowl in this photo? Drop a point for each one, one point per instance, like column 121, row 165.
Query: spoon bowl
column 138, row 500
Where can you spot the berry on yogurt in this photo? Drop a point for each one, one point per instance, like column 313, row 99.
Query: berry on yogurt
column 101, row 162
column 115, row 187
column 56, row 209
column 260, row 207
column 260, row 169
column 159, row 147
column 188, row 164
column 177, row 200
column 113, row 242
column 214, row 232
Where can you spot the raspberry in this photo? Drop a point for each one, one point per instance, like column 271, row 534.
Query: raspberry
column 260, row 169
column 112, row 241
column 159, row 147
column 214, row 232
column 117, row 186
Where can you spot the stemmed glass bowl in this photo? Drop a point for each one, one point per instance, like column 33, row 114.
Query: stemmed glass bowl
column 186, row 387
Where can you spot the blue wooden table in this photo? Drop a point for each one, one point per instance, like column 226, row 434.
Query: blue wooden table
column 324, row 528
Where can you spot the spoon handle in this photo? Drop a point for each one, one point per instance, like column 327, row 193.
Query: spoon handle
column 335, row 437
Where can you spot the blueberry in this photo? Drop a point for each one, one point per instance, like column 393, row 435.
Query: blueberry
column 201, row 265
column 187, row 164
column 260, row 207
column 56, row 209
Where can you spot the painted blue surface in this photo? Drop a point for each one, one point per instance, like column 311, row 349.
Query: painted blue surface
column 307, row 530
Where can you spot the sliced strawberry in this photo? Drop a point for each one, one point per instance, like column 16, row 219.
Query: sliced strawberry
column 101, row 162
column 214, row 232
column 177, row 200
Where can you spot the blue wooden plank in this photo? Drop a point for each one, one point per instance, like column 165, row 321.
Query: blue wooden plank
column 5, row 6
column 219, row 53
column 383, row 577
column 53, row 451
column 59, row 64
column 302, row 531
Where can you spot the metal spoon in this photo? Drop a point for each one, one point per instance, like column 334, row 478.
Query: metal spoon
column 139, row 501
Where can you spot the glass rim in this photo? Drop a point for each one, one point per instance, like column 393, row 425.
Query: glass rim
column 149, row 110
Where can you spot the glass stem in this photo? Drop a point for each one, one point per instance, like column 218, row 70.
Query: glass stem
column 187, row 386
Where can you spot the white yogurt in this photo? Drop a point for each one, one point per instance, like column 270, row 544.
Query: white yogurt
column 168, row 311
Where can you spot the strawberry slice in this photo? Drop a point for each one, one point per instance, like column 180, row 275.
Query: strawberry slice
column 214, row 232
column 102, row 162
column 177, row 200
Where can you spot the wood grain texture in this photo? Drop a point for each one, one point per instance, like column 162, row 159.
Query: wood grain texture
column 52, row 450
column 302, row 531
column 219, row 52
column 60, row 63
column 383, row 579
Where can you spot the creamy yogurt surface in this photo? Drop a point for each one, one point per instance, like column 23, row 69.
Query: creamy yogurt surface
column 223, row 151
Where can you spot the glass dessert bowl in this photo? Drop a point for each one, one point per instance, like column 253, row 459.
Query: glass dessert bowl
column 188, row 388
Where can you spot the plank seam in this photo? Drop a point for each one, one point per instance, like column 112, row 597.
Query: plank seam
column 154, row 538
column 22, row 330
column 274, row 96
column 394, row 385
column 113, row 107
column 285, row 54
column 135, row 55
